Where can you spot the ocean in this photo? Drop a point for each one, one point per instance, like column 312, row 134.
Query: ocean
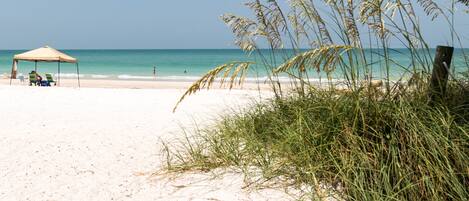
column 175, row 64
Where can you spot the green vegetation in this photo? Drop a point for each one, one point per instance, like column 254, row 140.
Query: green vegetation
column 378, row 150
column 363, row 141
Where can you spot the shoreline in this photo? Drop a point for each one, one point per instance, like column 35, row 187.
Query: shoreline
column 177, row 84
column 180, row 85
column 134, row 84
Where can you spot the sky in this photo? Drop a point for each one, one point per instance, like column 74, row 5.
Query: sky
column 134, row 24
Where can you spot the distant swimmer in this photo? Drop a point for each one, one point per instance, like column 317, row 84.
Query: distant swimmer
column 154, row 71
column 185, row 71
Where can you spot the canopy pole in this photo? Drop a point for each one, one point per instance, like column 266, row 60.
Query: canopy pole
column 12, row 71
column 58, row 73
column 78, row 75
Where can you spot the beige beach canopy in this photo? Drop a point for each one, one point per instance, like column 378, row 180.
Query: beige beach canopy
column 43, row 54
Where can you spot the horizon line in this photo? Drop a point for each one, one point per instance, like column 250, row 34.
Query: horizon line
column 196, row 48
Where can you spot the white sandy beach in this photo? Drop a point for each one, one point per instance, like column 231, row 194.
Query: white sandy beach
column 60, row 143
column 134, row 84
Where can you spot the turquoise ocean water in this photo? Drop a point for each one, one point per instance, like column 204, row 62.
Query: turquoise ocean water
column 171, row 64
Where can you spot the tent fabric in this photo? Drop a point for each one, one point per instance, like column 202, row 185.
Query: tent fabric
column 44, row 54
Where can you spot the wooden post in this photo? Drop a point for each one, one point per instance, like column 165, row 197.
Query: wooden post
column 439, row 80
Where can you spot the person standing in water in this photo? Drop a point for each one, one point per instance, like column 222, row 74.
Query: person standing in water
column 154, row 71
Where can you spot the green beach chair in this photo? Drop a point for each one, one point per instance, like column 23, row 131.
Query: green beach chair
column 33, row 79
column 50, row 79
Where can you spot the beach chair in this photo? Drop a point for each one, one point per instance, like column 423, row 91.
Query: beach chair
column 21, row 78
column 50, row 79
column 33, row 79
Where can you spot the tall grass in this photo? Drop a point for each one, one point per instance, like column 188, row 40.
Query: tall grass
column 387, row 150
column 367, row 142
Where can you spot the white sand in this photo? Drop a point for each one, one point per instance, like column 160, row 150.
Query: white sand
column 138, row 84
column 102, row 144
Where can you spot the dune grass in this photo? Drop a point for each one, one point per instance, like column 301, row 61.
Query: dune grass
column 400, row 149
column 364, row 142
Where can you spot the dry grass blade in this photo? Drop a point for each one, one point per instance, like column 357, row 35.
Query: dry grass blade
column 372, row 13
column 243, row 29
column 325, row 57
column 430, row 7
column 235, row 71
column 350, row 24
column 270, row 20
column 309, row 15
column 464, row 2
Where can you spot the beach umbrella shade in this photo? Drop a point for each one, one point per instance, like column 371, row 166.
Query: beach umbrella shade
column 43, row 54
